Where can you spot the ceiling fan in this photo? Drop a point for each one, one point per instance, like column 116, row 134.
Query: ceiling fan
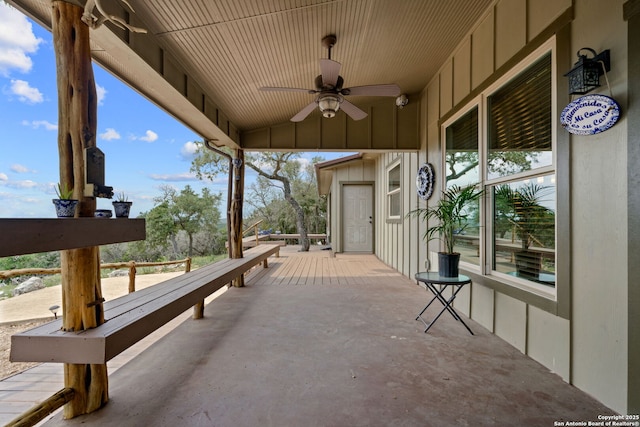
column 331, row 93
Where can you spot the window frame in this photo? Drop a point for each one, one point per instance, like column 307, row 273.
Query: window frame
column 396, row 163
column 523, row 289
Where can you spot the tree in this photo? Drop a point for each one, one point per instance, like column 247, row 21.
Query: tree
column 280, row 167
column 183, row 211
column 458, row 163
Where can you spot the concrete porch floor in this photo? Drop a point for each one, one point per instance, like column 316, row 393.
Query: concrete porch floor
column 321, row 341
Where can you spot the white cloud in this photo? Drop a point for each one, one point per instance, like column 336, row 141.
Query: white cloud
column 185, row 176
column 19, row 168
column 149, row 136
column 110, row 134
column 4, row 177
column 16, row 41
column 27, row 183
column 304, row 162
column 101, row 93
column 25, row 92
column 36, row 124
column 188, row 150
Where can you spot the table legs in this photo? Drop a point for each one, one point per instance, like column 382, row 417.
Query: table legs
column 446, row 306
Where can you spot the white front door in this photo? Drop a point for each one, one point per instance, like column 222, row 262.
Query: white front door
column 357, row 214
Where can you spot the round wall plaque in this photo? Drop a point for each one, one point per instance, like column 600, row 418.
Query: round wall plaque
column 425, row 181
column 590, row 114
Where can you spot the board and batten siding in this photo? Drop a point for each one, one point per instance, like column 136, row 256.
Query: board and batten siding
column 356, row 172
column 587, row 343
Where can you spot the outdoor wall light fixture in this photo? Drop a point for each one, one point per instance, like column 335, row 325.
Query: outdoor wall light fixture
column 401, row 101
column 54, row 309
column 329, row 105
column 585, row 74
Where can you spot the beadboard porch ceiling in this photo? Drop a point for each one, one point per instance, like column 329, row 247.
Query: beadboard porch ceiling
column 231, row 48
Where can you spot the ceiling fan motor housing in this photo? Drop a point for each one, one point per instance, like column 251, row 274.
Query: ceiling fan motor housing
column 321, row 87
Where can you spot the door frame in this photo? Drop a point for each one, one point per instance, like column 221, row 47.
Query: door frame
column 373, row 212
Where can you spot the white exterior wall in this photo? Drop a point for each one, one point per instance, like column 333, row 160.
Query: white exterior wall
column 588, row 346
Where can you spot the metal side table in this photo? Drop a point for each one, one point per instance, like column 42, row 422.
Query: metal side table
column 437, row 284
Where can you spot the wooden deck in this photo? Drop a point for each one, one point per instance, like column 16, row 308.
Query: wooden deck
column 318, row 267
column 319, row 340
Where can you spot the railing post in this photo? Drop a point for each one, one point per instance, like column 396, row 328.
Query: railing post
column 132, row 276
column 255, row 230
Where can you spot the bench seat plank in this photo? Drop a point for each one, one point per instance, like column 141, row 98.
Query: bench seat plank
column 131, row 317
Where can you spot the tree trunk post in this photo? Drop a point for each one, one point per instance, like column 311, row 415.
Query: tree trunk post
column 80, row 268
column 236, row 211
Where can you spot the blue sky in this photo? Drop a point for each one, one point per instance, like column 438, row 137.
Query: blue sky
column 144, row 147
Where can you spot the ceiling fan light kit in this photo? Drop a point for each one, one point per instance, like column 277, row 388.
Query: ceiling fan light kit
column 329, row 105
column 331, row 93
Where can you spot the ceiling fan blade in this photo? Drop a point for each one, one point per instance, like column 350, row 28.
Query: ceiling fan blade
column 373, row 90
column 352, row 111
column 330, row 71
column 286, row 89
column 302, row 114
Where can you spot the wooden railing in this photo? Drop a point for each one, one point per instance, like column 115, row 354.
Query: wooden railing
column 253, row 227
column 131, row 265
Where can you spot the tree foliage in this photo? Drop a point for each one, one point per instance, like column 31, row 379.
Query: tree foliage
column 197, row 216
column 278, row 173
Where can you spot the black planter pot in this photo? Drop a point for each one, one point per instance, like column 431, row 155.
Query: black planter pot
column 448, row 264
column 122, row 209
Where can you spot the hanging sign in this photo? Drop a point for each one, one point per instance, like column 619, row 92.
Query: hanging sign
column 590, row 114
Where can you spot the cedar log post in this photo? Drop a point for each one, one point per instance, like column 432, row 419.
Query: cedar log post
column 236, row 211
column 77, row 122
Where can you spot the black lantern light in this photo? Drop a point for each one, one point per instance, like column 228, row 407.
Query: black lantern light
column 585, row 74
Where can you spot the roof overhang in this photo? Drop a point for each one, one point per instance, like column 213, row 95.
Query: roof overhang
column 204, row 63
column 325, row 170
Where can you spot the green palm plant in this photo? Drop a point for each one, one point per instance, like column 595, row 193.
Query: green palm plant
column 451, row 215
column 526, row 212
column 64, row 192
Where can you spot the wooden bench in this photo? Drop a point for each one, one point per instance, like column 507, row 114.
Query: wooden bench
column 131, row 317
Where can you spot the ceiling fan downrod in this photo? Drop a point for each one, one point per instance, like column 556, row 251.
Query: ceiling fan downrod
column 328, row 42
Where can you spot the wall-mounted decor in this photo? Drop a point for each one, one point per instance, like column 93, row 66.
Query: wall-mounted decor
column 425, row 181
column 585, row 74
column 590, row 114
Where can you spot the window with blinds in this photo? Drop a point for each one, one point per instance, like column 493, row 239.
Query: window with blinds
column 462, row 150
column 462, row 161
column 519, row 122
column 503, row 141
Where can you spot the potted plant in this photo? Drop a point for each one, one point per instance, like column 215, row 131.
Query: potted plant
column 65, row 204
column 122, row 206
column 531, row 223
column 451, row 214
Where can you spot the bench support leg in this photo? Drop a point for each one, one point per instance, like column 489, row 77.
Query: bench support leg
column 198, row 310
column 90, row 388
